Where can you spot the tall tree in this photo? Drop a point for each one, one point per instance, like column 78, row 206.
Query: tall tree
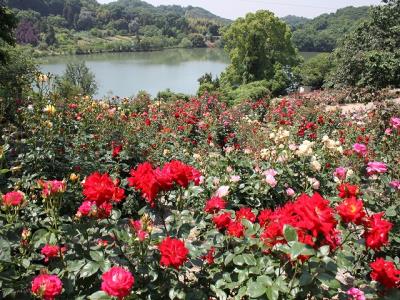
column 259, row 45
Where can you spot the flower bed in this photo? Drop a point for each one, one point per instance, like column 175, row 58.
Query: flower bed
column 195, row 200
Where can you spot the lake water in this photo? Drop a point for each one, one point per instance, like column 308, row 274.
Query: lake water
column 124, row 74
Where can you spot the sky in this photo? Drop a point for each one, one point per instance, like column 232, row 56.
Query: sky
column 233, row 9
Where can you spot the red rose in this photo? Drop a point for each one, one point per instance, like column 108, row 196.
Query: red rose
column 264, row 216
column 116, row 149
column 222, row 221
column 377, row 231
column 117, row 282
column 214, row 205
column 245, row 213
column 50, row 251
column 100, row 188
column 385, row 272
column 209, row 257
column 144, row 179
column 47, row 287
column 104, row 210
column 173, row 252
column 236, row 229
column 351, row 210
column 14, row 198
column 347, row 190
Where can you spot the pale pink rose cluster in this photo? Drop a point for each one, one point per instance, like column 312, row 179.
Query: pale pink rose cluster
column 270, row 177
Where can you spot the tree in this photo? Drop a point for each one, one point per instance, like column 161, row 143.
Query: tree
column 16, row 76
column 8, row 22
column 197, row 40
column 51, row 37
column 258, row 45
column 370, row 55
column 314, row 71
column 77, row 79
column 27, row 33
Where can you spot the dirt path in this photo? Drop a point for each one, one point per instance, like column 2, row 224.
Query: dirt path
column 354, row 107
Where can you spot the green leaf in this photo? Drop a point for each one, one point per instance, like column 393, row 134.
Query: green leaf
column 249, row 259
column 97, row 255
column 4, row 171
column 100, row 295
column 290, row 233
column 89, row 269
column 238, row 260
column 255, row 289
column 228, row 258
column 324, row 250
column 272, row 293
column 5, row 250
column 39, row 237
column 391, row 211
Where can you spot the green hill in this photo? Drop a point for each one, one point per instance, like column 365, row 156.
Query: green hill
column 86, row 26
column 322, row 33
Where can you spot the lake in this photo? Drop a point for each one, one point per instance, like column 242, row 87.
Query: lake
column 124, row 74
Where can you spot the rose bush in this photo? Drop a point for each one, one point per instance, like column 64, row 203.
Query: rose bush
column 193, row 199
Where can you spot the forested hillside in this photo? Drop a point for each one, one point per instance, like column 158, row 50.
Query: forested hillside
column 322, row 33
column 81, row 26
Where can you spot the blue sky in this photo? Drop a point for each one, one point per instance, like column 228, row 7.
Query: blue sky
column 237, row 8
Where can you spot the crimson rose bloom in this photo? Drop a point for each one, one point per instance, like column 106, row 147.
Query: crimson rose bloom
column 144, row 179
column 346, row 190
column 222, row 221
column 377, row 231
column 47, row 287
column 385, row 272
column 214, row 205
column 50, row 251
column 236, row 229
column 117, row 282
column 173, row 252
column 14, row 198
column 245, row 213
column 100, row 188
column 351, row 210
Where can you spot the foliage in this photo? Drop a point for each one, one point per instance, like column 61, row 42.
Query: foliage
column 7, row 23
column 77, row 79
column 141, row 26
column 322, row 33
column 256, row 44
column 314, row 72
column 17, row 74
column 370, row 55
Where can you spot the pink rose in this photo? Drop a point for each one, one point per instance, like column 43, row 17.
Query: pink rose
column 340, row 173
column 355, row 294
column 290, row 192
column 395, row 184
column 376, row 167
column 395, row 122
column 360, row 149
column 14, row 198
column 270, row 177
column 86, row 208
column 222, row 191
column 235, row 178
column 117, row 282
column 47, row 287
